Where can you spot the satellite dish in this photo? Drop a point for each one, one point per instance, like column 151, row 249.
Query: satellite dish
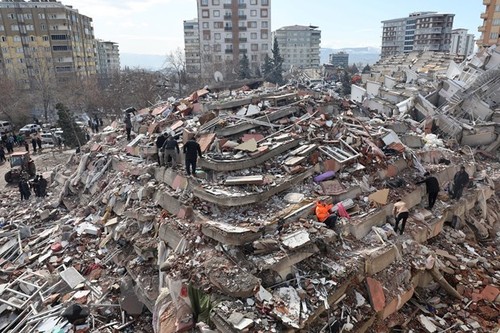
column 218, row 77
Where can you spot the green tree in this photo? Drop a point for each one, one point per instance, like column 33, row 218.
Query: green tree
column 277, row 62
column 258, row 74
column 244, row 68
column 367, row 69
column 354, row 69
column 267, row 68
column 73, row 135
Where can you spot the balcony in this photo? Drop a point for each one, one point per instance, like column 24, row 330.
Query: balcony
column 242, row 28
column 228, row 40
column 242, row 5
column 481, row 28
column 242, row 17
column 243, row 50
column 227, row 6
column 484, row 15
column 228, row 51
column 242, row 40
column 228, row 28
column 228, row 17
column 486, row 2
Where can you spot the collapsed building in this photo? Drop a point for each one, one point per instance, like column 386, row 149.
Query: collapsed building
column 237, row 248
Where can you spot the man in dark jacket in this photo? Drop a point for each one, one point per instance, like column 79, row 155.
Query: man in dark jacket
column 42, row 186
column 460, row 180
column 24, row 189
column 432, row 186
column 170, row 150
column 160, row 140
column 128, row 126
column 191, row 151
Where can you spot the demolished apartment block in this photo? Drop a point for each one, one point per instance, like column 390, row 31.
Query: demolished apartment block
column 237, row 248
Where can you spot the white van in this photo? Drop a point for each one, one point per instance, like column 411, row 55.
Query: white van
column 5, row 127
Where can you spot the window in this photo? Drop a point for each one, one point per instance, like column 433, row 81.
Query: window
column 205, row 25
column 265, row 2
column 253, row 13
column 206, row 47
column 11, row 16
column 45, row 38
column 497, row 8
column 263, row 35
column 30, row 27
column 54, row 27
column 495, row 21
column 218, row 25
column 205, row 13
column 19, row 50
column 43, row 27
column 5, row 49
column 263, row 13
column 60, row 48
column 253, row 35
column 494, row 35
column 265, row 24
column 58, row 37
column 41, row 16
column 252, row 24
column 253, row 57
column 20, row 60
column 264, row 47
column 17, row 38
column 217, row 36
column 253, row 2
column 28, row 16
column 204, row 2
column 14, row 27
column 254, row 47
column 32, row 38
column 216, row 13
column 2, row 28
column 215, row 2
column 206, row 36
column 63, row 69
column 217, row 48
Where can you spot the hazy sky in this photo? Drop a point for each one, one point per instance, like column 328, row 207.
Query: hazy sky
column 155, row 26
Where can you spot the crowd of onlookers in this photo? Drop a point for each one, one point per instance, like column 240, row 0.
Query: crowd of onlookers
column 32, row 141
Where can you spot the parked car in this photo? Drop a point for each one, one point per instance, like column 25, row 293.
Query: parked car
column 30, row 128
column 5, row 127
column 48, row 138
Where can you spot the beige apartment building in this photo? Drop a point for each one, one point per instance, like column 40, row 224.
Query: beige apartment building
column 299, row 46
column 228, row 29
column 45, row 37
column 490, row 30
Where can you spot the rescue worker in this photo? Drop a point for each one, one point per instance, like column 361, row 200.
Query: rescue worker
column 191, row 151
column 460, row 180
column 400, row 211
column 128, row 126
column 24, row 189
column 324, row 215
column 170, row 150
column 432, row 187
column 160, row 140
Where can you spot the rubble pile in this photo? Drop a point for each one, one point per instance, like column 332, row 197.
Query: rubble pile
column 124, row 244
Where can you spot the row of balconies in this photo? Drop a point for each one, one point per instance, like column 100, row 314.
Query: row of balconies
column 240, row 5
column 239, row 28
column 230, row 16
column 229, row 51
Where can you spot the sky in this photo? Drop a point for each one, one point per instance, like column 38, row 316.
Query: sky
column 155, row 27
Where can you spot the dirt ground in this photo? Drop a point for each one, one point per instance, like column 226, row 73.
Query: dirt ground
column 44, row 161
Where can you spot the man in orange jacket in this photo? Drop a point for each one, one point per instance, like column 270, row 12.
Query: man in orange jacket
column 323, row 214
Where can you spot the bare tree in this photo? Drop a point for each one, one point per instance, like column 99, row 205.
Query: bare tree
column 43, row 81
column 175, row 67
column 14, row 106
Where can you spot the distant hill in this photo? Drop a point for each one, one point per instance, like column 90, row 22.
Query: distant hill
column 146, row 61
column 366, row 55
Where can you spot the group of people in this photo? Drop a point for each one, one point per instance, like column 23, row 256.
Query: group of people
column 38, row 185
column 95, row 123
column 400, row 209
column 167, row 149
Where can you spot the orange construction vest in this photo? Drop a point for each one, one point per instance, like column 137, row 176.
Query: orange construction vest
column 322, row 211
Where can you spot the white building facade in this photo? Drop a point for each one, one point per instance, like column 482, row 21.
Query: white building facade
column 462, row 43
column 299, row 46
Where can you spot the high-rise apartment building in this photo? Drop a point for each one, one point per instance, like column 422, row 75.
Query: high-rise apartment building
column 108, row 58
column 490, row 30
column 299, row 46
column 228, row 29
column 45, row 36
column 192, row 47
column 462, row 43
column 339, row 59
column 420, row 31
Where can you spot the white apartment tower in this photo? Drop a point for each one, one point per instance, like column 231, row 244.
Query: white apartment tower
column 108, row 58
column 192, row 47
column 228, row 29
column 299, row 46
column 462, row 43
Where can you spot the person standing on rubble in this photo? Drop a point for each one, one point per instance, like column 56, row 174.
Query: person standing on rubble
column 170, row 150
column 42, row 186
column 128, row 125
column 460, row 180
column 24, row 189
column 160, row 140
column 323, row 214
column 401, row 213
column 191, row 152
column 432, row 187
